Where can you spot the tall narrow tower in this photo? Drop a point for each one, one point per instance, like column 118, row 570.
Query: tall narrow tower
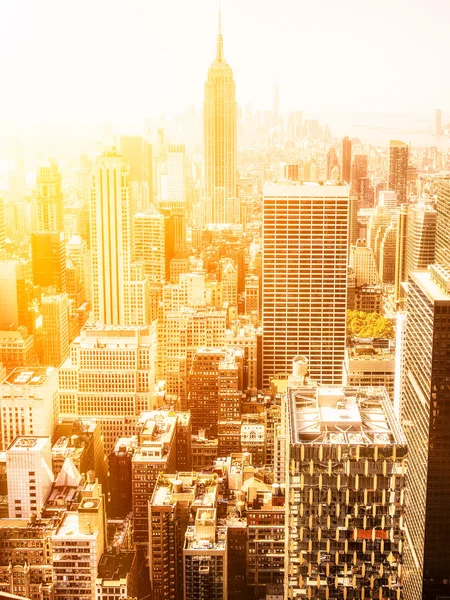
column 49, row 199
column 219, row 122
column 398, row 169
column 119, row 288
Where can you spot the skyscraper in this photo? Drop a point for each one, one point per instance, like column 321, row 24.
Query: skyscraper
column 220, row 146
column 113, row 279
column 398, row 169
column 48, row 254
column 425, row 415
column 49, row 199
column 131, row 148
column 346, row 159
column 305, row 236
column 421, row 238
column 442, row 252
column 361, row 185
column 438, row 122
column 2, row 228
column 344, row 493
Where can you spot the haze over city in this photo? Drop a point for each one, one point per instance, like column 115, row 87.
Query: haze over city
column 224, row 300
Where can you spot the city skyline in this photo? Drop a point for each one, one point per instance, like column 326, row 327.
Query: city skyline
column 180, row 36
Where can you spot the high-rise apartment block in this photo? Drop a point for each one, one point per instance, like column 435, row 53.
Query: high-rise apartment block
column 205, row 567
column 220, row 146
column 29, row 404
column 49, row 199
column 203, row 389
column 362, row 261
column 156, row 453
column 345, row 488
column 29, row 475
column 305, row 236
column 398, row 169
column 185, row 331
column 109, row 375
column 425, row 417
column 78, row 544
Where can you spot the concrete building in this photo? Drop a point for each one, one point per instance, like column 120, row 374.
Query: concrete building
column 362, row 261
column 149, row 243
column 132, row 150
column 424, row 400
column 29, row 404
column 26, row 561
column 175, row 500
column 265, row 538
column 420, row 238
column 29, row 475
column 230, row 387
column 366, row 366
column 110, row 376
column 345, row 493
column 55, row 329
column 48, row 252
column 443, row 222
column 205, row 565
column 203, row 399
column 14, row 295
column 78, row 544
column 305, row 250
column 156, row 453
column 49, row 199
column 186, row 331
column 17, row 349
column 116, row 576
column 398, row 169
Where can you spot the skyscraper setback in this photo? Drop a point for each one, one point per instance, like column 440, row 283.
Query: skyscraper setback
column 219, row 114
column 305, row 237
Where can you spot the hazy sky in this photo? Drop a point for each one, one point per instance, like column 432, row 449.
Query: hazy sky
column 91, row 60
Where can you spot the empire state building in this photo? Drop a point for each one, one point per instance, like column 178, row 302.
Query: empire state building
column 219, row 115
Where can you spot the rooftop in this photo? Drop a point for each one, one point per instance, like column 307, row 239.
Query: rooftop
column 308, row 189
column 431, row 285
column 35, row 376
column 114, row 567
column 342, row 415
column 28, row 443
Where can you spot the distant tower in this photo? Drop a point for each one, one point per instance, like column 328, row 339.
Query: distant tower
column 220, row 146
column 438, row 122
column 276, row 105
column 346, row 159
column 49, row 199
column 398, row 169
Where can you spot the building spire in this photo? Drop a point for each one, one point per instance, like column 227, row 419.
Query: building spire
column 219, row 56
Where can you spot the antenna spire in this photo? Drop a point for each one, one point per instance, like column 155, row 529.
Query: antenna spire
column 219, row 56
